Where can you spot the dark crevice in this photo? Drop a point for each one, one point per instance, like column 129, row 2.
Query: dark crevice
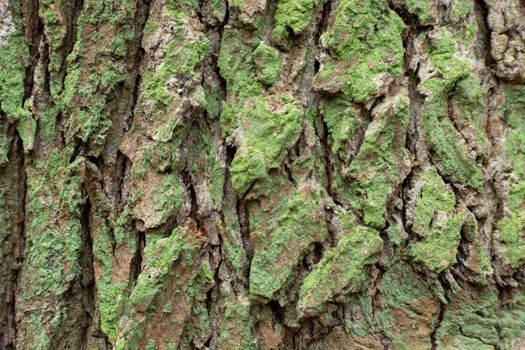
column 328, row 7
column 331, row 229
column 87, row 279
column 244, row 223
column 194, row 210
column 376, row 294
column 141, row 18
column 434, row 335
column 402, row 11
column 8, row 335
column 136, row 261
column 359, row 136
column 123, row 164
column 73, row 10
column 324, row 135
column 481, row 12
column 289, row 174
column 33, row 31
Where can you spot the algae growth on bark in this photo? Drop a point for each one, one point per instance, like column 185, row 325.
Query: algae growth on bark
column 262, row 174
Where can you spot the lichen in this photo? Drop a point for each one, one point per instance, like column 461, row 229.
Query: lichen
column 366, row 47
column 409, row 310
column 341, row 270
column 294, row 15
column 268, row 64
column 13, row 60
column 441, row 137
column 381, row 158
column 275, row 118
column 437, row 220
column 236, row 332
column 512, row 226
column 296, row 225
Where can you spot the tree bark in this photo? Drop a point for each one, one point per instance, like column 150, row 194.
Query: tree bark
column 262, row 174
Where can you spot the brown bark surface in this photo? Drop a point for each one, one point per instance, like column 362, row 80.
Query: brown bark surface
column 262, row 174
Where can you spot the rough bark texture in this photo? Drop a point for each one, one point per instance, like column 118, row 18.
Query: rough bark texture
column 262, row 174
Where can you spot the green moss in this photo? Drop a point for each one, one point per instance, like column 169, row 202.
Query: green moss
column 151, row 345
column 205, row 156
column 470, row 321
column 462, row 9
column 179, row 59
column 469, row 112
column 404, row 293
column 365, row 42
column 341, row 270
column 342, row 121
column 512, row 323
column 437, row 220
column 213, row 95
column 289, row 233
column 236, row 64
column 12, row 71
column 425, row 10
column 375, row 169
column 167, row 197
column 511, row 227
column 268, row 64
column 92, row 86
column 441, row 137
column 236, row 330
column 232, row 242
column 295, row 15
column 15, row 53
column 53, row 246
column 161, row 254
column 278, row 119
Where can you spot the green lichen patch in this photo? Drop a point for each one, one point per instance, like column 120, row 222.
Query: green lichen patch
column 425, row 10
column 437, row 219
column 236, row 333
column 268, row 64
column 512, row 226
column 98, row 72
column 342, row 121
column 366, row 49
column 409, row 310
column 267, row 128
column 157, row 199
column 381, row 160
column 53, row 248
column 471, row 321
column 341, row 270
column 180, row 58
column 294, row 15
column 172, row 273
column 236, row 64
column 454, row 159
column 286, row 235
column 13, row 60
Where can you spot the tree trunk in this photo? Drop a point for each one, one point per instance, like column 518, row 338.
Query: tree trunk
column 262, row 174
